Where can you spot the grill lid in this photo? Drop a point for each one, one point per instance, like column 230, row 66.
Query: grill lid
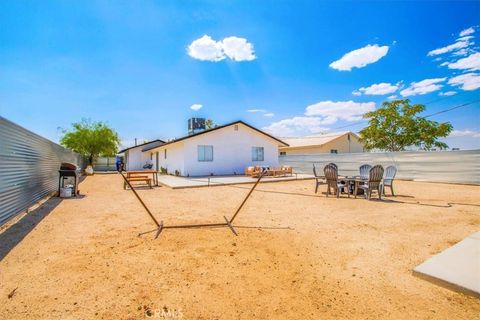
column 68, row 166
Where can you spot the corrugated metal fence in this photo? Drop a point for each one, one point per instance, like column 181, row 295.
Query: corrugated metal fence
column 29, row 167
column 440, row 166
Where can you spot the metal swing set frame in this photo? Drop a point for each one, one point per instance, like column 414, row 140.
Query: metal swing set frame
column 160, row 225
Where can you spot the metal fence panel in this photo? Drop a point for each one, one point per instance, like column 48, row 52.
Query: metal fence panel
column 105, row 164
column 29, row 167
column 436, row 166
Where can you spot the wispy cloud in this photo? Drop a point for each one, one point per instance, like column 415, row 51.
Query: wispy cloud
column 360, row 58
column 467, row 81
column 234, row 48
column 465, row 133
column 422, row 87
column 447, row 93
column 470, row 63
column 452, row 47
column 263, row 111
column 460, row 45
column 296, row 126
column 318, row 116
column 467, row 32
column 377, row 89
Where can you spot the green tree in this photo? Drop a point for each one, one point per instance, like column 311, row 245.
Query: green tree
column 396, row 126
column 91, row 139
column 209, row 124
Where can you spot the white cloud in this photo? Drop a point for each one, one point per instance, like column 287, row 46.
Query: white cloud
column 465, row 38
column 377, row 89
column 319, row 115
column 392, row 97
column 443, row 64
column 332, row 111
column 206, row 49
column 465, row 133
column 296, row 125
column 422, row 87
column 462, row 52
column 235, row 48
column 467, row 81
column 455, row 46
column 467, row 32
column 471, row 63
column 360, row 58
column 196, row 106
column 264, row 111
column 238, row 49
column 448, row 93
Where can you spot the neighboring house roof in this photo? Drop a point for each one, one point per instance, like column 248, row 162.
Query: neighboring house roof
column 316, row 140
column 157, row 143
column 217, row 128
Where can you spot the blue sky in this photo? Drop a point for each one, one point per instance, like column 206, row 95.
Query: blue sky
column 289, row 67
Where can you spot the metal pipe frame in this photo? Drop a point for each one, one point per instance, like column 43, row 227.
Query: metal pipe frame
column 161, row 226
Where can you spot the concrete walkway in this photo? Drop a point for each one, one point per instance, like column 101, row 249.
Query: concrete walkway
column 193, row 182
column 457, row 267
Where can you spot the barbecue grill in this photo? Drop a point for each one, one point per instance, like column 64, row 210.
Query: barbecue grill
column 67, row 173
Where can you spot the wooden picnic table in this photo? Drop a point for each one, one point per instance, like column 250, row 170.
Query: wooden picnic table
column 154, row 173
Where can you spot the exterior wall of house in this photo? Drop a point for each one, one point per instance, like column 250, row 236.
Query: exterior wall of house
column 232, row 151
column 341, row 144
column 135, row 159
column 175, row 157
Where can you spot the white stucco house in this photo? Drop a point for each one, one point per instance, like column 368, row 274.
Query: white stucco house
column 223, row 150
column 134, row 157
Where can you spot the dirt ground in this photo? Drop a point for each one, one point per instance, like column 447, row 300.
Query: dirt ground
column 298, row 255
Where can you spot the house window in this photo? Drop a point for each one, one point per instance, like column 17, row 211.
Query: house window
column 165, row 154
column 283, row 153
column 205, row 153
column 257, row 153
column 151, row 156
column 333, row 151
column 235, row 127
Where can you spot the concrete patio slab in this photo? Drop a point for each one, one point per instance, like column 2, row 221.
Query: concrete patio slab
column 457, row 267
column 193, row 182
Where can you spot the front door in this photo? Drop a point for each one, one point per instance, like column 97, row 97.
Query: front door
column 156, row 161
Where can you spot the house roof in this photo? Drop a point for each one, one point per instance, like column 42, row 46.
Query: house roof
column 217, row 128
column 316, row 140
column 157, row 142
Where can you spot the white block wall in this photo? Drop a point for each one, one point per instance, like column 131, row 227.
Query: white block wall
column 232, row 151
column 136, row 159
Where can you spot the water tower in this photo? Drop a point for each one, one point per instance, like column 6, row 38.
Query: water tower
column 196, row 125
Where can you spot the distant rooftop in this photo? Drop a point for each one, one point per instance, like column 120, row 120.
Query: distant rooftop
column 315, row 140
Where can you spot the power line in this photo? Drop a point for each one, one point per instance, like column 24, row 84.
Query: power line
column 450, row 109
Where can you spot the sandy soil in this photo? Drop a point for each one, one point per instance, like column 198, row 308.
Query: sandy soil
column 315, row 258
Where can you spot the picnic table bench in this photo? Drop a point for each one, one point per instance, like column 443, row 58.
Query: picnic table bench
column 142, row 175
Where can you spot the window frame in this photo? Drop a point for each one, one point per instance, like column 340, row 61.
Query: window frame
column 204, row 147
column 255, row 154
